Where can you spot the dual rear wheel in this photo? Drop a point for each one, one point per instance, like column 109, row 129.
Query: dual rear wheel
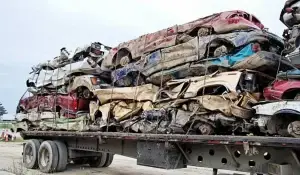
column 52, row 156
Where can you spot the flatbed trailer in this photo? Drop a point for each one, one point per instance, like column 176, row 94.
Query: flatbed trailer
column 254, row 154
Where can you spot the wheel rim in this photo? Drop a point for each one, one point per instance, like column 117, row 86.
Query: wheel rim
column 124, row 61
column 220, row 51
column 44, row 157
column 86, row 93
column 28, row 154
column 203, row 32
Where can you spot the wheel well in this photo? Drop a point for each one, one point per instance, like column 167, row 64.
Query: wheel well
column 98, row 114
column 281, row 120
column 212, row 90
column 194, row 32
column 218, row 42
column 121, row 53
column 290, row 94
column 57, row 109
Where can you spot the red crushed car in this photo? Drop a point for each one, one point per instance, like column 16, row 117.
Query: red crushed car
column 67, row 105
column 283, row 89
column 223, row 22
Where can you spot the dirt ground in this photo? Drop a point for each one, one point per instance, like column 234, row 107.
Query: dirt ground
column 11, row 161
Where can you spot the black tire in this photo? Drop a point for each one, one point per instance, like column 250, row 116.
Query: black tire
column 109, row 159
column 62, row 156
column 101, row 161
column 31, row 148
column 297, row 96
column 48, row 149
column 97, row 162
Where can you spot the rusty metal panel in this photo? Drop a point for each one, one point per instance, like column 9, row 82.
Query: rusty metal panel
column 159, row 154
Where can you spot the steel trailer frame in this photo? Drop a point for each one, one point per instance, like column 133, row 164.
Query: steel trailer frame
column 254, row 154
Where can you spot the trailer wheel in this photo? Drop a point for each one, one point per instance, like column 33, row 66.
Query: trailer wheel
column 109, row 159
column 30, row 155
column 101, row 161
column 48, row 157
column 62, row 156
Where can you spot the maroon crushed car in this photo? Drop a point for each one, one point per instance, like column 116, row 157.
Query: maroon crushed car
column 283, row 89
column 67, row 105
column 223, row 22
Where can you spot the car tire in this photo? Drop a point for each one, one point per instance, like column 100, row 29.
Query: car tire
column 31, row 148
column 109, row 159
column 62, row 156
column 297, row 96
column 48, row 157
column 203, row 32
column 220, row 51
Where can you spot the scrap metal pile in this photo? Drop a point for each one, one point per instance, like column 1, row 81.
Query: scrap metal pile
column 204, row 77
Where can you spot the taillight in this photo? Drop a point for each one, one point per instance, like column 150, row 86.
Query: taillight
column 75, row 104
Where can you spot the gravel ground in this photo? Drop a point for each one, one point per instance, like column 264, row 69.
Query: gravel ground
column 10, row 161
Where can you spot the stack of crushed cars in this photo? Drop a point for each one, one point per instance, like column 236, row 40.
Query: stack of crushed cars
column 208, row 76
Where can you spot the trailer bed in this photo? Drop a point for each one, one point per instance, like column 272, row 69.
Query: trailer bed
column 205, row 139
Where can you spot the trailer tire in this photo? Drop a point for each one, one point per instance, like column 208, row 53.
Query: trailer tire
column 101, row 161
column 48, row 157
column 32, row 147
column 62, row 156
column 109, row 159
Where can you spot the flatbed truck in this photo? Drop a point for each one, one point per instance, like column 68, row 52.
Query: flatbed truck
column 51, row 151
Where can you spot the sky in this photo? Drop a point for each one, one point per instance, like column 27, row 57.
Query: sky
column 33, row 31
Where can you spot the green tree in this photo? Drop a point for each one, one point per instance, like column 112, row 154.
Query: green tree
column 2, row 111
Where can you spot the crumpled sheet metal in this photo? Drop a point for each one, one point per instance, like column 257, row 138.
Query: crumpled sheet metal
column 139, row 93
column 78, row 124
column 182, row 71
column 215, row 103
column 170, row 57
column 79, row 81
column 163, row 59
column 171, row 92
column 274, row 107
column 35, row 116
column 60, row 76
column 120, row 110
column 123, row 110
column 229, row 80
column 263, row 61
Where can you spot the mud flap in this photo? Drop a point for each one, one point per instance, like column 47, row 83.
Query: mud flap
column 160, row 155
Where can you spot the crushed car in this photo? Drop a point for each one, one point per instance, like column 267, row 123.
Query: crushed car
column 285, row 87
column 61, row 69
column 65, row 105
column 290, row 17
column 251, row 49
column 223, row 22
column 278, row 118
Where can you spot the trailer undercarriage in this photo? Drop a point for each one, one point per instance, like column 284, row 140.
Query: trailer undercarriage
column 254, row 154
